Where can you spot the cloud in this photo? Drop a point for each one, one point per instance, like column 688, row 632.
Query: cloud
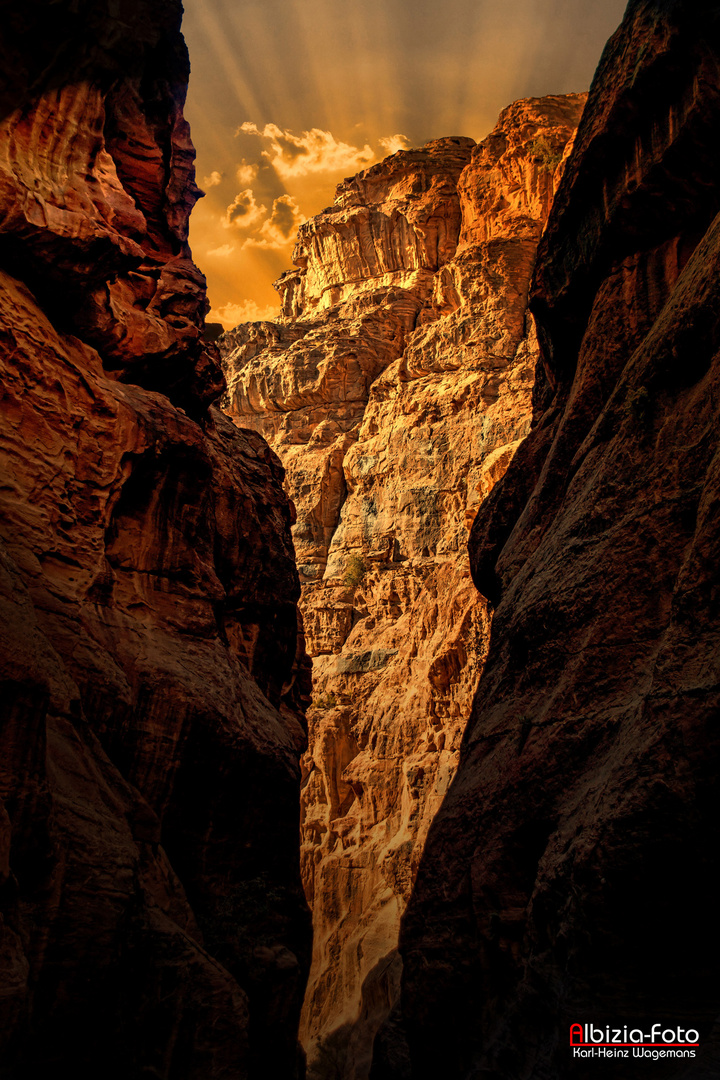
column 314, row 151
column 213, row 179
column 246, row 173
column 246, row 311
column 279, row 229
column 244, row 212
column 393, row 143
column 223, row 252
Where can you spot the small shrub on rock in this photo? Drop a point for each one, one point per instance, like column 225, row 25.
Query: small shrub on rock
column 325, row 701
column 542, row 152
column 354, row 569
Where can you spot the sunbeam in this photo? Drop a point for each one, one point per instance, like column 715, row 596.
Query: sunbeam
column 359, row 74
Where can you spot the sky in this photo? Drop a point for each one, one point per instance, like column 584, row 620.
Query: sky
column 288, row 97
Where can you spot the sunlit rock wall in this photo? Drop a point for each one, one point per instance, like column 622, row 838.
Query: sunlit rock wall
column 395, row 391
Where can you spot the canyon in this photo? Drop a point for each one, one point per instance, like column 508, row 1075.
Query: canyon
column 395, row 390
column 471, row 472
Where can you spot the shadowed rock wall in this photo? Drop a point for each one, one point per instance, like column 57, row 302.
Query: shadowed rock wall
column 570, row 873
column 153, row 680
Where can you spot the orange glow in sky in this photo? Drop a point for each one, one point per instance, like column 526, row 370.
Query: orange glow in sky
column 287, row 97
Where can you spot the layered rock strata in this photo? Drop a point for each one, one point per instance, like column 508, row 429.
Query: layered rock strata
column 570, row 873
column 395, row 390
column 152, row 920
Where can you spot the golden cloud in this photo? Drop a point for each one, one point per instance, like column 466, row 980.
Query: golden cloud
column 393, row 143
column 279, row 229
column 315, row 151
column 246, row 311
column 246, row 173
column 244, row 212
column 223, row 251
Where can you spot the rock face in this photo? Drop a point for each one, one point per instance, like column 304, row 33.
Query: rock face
column 152, row 920
column 395, row 391
column 569, row 875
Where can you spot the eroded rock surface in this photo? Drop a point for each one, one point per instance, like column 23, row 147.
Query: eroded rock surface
column 570, row 873
column 395, row 391
column 153, row 678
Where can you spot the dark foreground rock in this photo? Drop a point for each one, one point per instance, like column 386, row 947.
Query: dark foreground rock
column 152, row 921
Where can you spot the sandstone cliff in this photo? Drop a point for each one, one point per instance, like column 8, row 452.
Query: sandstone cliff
column 395, row 391
column 152, row 920
column 570, row 873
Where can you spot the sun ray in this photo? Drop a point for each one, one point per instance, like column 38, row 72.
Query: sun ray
column 359, row 73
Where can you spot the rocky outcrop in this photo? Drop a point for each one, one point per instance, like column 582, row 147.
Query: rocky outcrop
column 304, row 384
column 569, row 875
column 395, row 224
column 152, row 920
column 395, row 391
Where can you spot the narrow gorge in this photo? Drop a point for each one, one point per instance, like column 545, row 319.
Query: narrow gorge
column 395, row 391
column 360, row 673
